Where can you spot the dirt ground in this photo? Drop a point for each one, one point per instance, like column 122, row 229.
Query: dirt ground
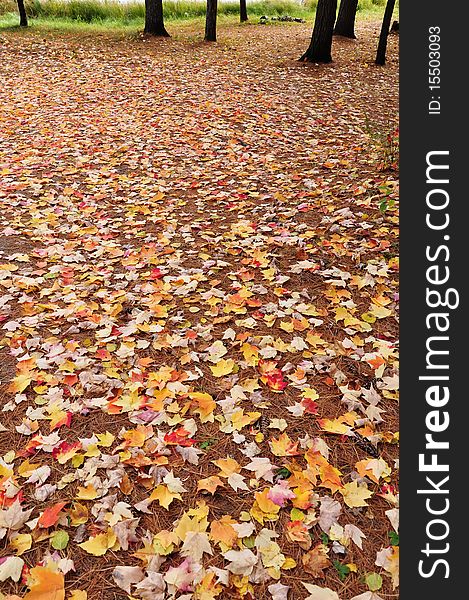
column 169, row 204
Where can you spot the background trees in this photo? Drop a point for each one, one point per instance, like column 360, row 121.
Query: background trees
column 319, row 50
column 22, row 11
column 211, row 21
column 154, row 23
column 345, row 24
column 383, row 38
column 243, row 11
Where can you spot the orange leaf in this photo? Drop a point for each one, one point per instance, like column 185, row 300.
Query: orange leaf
column 47, row 585
column 209, row 484
column 51, row 515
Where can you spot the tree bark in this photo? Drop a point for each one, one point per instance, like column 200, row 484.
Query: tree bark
column 154, row 22
column 211, row 21
column 243, row 11
column 345, row 24
column 22, row 11
column 383, row 38
column 320, row 47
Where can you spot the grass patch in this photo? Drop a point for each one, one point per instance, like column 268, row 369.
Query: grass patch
column 89, row 11
column 67, row 14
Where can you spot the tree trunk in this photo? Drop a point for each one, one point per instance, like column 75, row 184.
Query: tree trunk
column 319, row 50
column 22, row 11
column 243, row 11
column 383, row 38
column 345, row 24
column 154, row 23
column 211, row 21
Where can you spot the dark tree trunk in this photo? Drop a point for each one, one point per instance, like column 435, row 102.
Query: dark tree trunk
column 211, row 21
column 345, row 24
column 243, row 11
column 319, row 50
column 22, row 11
column 154, row 23
column 383, row 38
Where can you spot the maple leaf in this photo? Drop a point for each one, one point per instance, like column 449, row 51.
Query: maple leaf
column 329, row 512
column 205, row 405
column 14, row 517
column 11, row 567
column 210, row 484
column 283, row 446
column 181, row 577
column 20, row 383
column 319, row 593
column 242, row 562
column 164, row 496
column 124, row 577
column 316, row 560
column 355, row 495
column 263, row 508
column 388, row 558
column 280, row 493
column 278, row 591
column 223, row 367
column 51, row 515
column 21, row 542
column 195, row 545
column 296, row 531
column 99, row 544
column 223, row 532
column 47, row 584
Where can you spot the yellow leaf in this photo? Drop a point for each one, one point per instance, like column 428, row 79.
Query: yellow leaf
column 164, row 496
column 334, row 426
column 263, row 508
column 99, row 544
column 228, row 466
column 78, row 514
column 164, row 542
column 283, row 446
column 355, row 495
column 240, row 420
column 86, row 493
column 21, row 542
column 223, row 367
column 20, row 383
column 78, row 595
column 105, row 439
column 205, row 406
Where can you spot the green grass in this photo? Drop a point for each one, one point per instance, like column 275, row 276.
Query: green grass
column 110, row 14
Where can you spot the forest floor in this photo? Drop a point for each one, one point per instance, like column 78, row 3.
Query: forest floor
column 198, row 320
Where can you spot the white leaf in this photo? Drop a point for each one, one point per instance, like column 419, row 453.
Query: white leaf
column 236, row 481
column 40, row 475
column 195, row 545
column 353, row 533
column 124, row 577
column 319, row 593
column 279, row 591
column 174, row 484
column 14, row 517
column 190, row 455
column 329, row 512
column 393, row 515
column 11, row 568
column 241, row 561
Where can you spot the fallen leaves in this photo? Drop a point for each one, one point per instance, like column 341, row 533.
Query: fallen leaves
column 199, row 311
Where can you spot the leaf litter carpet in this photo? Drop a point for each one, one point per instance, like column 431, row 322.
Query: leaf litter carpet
column 198, row 320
